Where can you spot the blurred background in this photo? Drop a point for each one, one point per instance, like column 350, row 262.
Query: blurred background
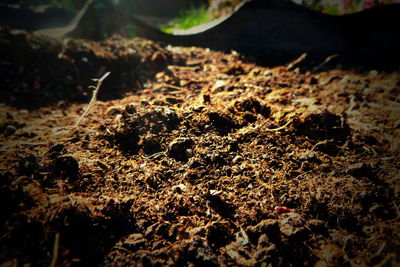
column 167, row 16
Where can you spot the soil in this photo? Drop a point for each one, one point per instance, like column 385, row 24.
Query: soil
column 193, row 157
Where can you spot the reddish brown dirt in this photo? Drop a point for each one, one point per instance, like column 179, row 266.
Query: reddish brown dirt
column 201, row 158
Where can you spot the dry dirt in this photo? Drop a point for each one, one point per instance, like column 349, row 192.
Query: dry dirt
column 193, row 157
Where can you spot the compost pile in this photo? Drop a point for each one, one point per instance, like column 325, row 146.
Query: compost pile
column 193, row 157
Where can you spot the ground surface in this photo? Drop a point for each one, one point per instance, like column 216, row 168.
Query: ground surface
column 193, row 157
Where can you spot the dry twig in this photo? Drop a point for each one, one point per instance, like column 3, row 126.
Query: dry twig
column 279, row 128
column 296, row 61
column 94, row 97
column 326, row 61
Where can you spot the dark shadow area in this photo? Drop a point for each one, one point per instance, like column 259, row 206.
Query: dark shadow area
column 27, row 19
column 276, row 32
column 37, row 71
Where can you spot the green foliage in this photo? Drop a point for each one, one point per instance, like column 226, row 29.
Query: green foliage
column 331, row 9
column 188, row 19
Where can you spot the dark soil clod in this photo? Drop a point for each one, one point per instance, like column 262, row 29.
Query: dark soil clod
column 178, row 148
column 324, row 126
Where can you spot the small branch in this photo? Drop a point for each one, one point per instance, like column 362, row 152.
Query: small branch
column 94, row 97
column 55, row 250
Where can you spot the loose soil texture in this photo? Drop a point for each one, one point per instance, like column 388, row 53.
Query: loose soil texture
column 193, row 157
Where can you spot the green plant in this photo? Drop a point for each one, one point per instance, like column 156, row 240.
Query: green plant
column 187, row 19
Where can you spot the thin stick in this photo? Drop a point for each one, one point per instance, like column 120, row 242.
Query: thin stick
column 182, row 67
column 325, row 62
column 173, row 86
column 296, row 61
column 55, row 250
column 280, row 128
column 94, row 97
